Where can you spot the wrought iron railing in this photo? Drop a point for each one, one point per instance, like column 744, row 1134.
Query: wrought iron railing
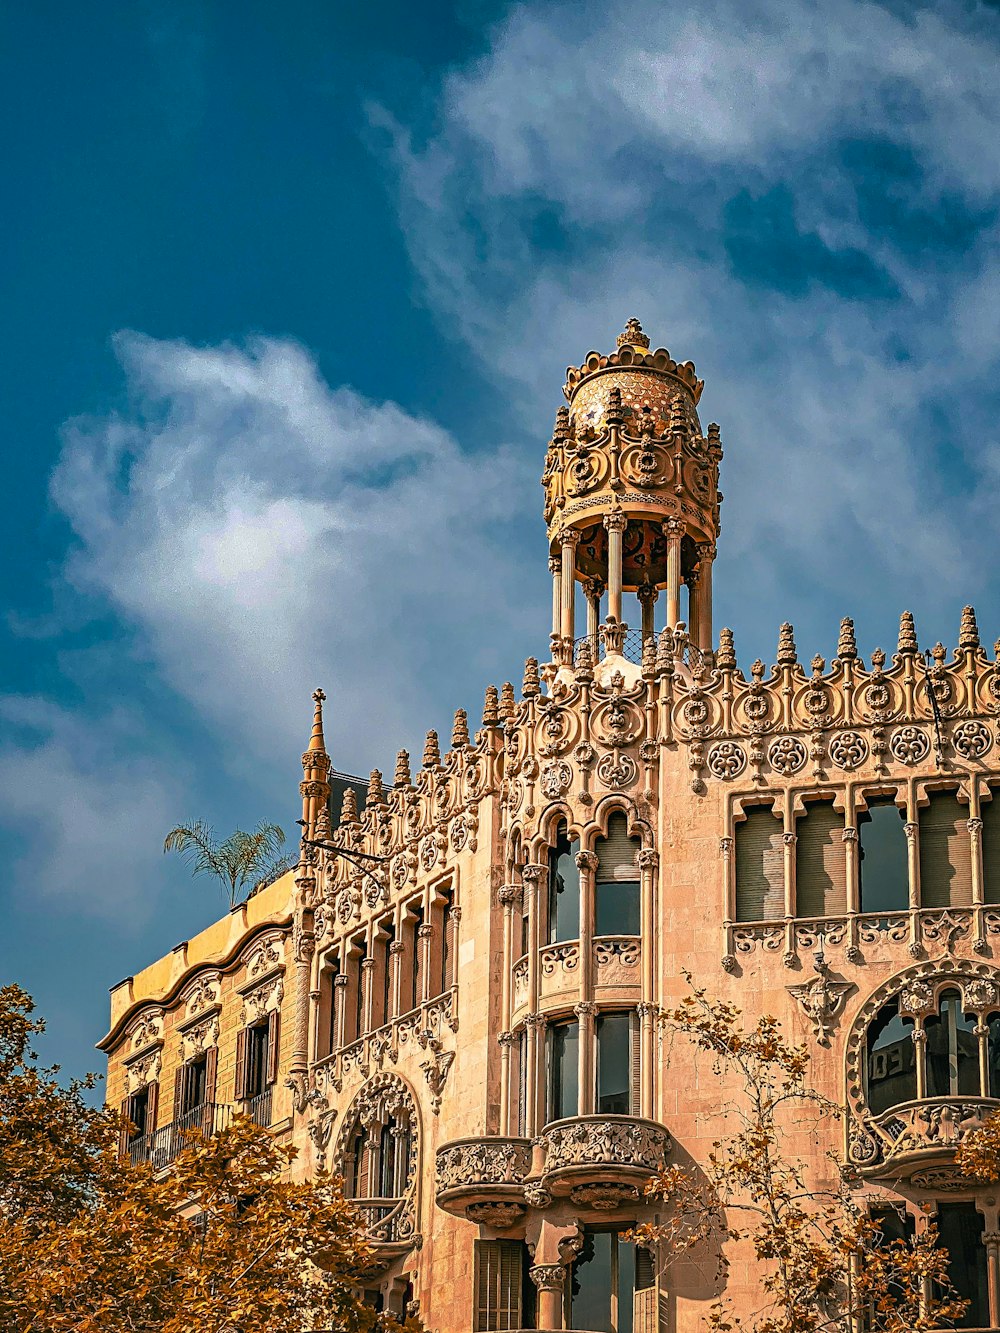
column 162, row 1146
column 259, row 1108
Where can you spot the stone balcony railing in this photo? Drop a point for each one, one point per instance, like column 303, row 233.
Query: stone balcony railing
column 918, row 1135
column 616, row 964
column 600, row 1161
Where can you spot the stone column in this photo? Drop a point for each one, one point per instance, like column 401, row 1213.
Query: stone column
column 304, row 945
column 647, row 861
column 615, row 522
column 975, row 827
column 693, row 581
column 340, row 983
column 425, row 936
column 594, row 589
column 550, row 1279
column 703, row 623
column 991, row 1239
column 396, row 950
column 533, row 875
column 366, row 982
column 647, row 599
column 850, row 839
column 673, row 530
column 555, row 569
column 569, row 539
column 509, row 896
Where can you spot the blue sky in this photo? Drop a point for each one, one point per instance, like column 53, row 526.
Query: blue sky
column 289, row 292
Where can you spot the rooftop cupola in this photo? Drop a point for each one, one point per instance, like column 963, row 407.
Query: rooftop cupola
column 631, row 496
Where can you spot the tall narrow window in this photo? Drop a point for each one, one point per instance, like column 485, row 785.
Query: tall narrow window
column 606, row 1275
column 564, row 889
column 891, row 1066
column 885, row 877
column 327, row 1034
column 562, row 1052
column 502, row 1285
column 417, row 960
column 522, row 1081
column 945, row 852
column 952, row 1050
column 615, row 1047
column 358, row 955
column 616, row 910
column 820, row 862
column 387, row 933
column 760, row 876
column 960, row 1232
column 445, row 962
column 990, row 812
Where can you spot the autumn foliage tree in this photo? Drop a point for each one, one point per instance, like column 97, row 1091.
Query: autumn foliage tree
column 824, row 1264
column 223, row 1241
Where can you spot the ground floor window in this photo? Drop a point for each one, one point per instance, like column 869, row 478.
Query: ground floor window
column 960, row 1232
column 505, row 1294
column 609, row 1284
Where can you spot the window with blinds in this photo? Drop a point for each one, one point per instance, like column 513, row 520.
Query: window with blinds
column 616, row 852
column 760, row 875
column 990, row 811
column 617, row 888
column 499, row 1284
column 945, row 852
column 820, row 862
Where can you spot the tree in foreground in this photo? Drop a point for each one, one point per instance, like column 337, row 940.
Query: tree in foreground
column 242, row 863
column 825, row 1264
column 90, row 1243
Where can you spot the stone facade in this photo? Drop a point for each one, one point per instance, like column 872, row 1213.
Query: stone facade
column 454, row 998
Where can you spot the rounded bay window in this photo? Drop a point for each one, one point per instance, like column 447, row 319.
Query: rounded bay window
column 378, row 1156
column 924, row 1066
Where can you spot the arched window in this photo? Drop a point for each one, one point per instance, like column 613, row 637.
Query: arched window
column 952, row 1050
column 891, row 1067
column 377, row 1153
column 820, row 862
column 562, row 1070
column 884, row 868
column 616, row 889
column 564, row 889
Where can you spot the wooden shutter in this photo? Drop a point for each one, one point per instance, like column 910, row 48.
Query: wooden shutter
column 990, row 811
column 760, row 867
column 634, row 1065
column 945, row 860
column 152, row 1103
column 616, row 853
column 498, row 1284
column 820, row 862
column 240, row 1087
column 123, row 1132
column 211, row 1068
column 273, row 1038
column 179, row 1080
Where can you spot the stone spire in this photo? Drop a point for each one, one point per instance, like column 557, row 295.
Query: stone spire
column 508, row 704
column 432, row 751
column 726, row 656
column 907, row 634
column 491, row 707
column 315, row 786
column 847, row 648
column 786, row 645
column 968, row 634
column 460, row 730
column 376, row 791
column 531, row 686
column 349, row 807
column 402, row 778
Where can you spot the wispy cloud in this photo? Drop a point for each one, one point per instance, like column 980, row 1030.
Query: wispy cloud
column 262, row 531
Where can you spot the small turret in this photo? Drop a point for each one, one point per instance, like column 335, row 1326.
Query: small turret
column 968, row 634
column 907, row 634
column 786, row 645
column 349, row 807
column 376, row 791
column 432, row 751
column 508, row 704
column 402, row 778
column 315, row 786
column 460, row 730
column 491, row 707
column 847, row 648
column 531, row 686
column 726, row 656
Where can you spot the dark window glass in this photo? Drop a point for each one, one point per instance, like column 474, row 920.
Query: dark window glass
column 138, row 1112
column 389, row 934
column 603, row 1283
column 562, row 1043
column 616, row 911
column 885, row 880
column 256, row 1076
column 993, row 1049
column 416, row 989
column 891, row 1067
column 359, row 988
column 952, row 1050
column 960, row 1232
column 613, row 1064
column 195, row 1085
column 564, row 889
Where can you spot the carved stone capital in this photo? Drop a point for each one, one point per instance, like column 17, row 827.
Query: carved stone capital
column 726, row 847
column 509, row 895
column 506, row 1039
column 616, row 520
column 555, row 564
column 586, row 860
column 397, row 946
column 536, row 1021
column 569, row 537
column 585, row 1009
column 647, row 859
column 425, row 931
column 849, row 834
column 533, row 873
column 548, row 1277
column 673, row 528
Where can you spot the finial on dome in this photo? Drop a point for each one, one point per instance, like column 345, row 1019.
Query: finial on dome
column 633, row 335
column 316, row 741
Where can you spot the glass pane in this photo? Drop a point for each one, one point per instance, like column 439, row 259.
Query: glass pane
column 885, row 881
column 564, row 890
column 613, row 1064
column 626, row 1285
column 891, row 1070
column 993, row 1049
column 616, row 908
column 590, row 1286
column 563, row 1062
column 960, row 1232
column 952, row 1050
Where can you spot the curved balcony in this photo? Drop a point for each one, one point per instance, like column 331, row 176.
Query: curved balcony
column 602, row 1161
column 483, row 1178
column 920, row 1135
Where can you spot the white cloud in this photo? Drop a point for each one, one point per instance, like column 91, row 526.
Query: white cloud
column 90, row 803
column 266, row 533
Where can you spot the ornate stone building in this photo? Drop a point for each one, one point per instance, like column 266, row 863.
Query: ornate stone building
column 454, row 998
